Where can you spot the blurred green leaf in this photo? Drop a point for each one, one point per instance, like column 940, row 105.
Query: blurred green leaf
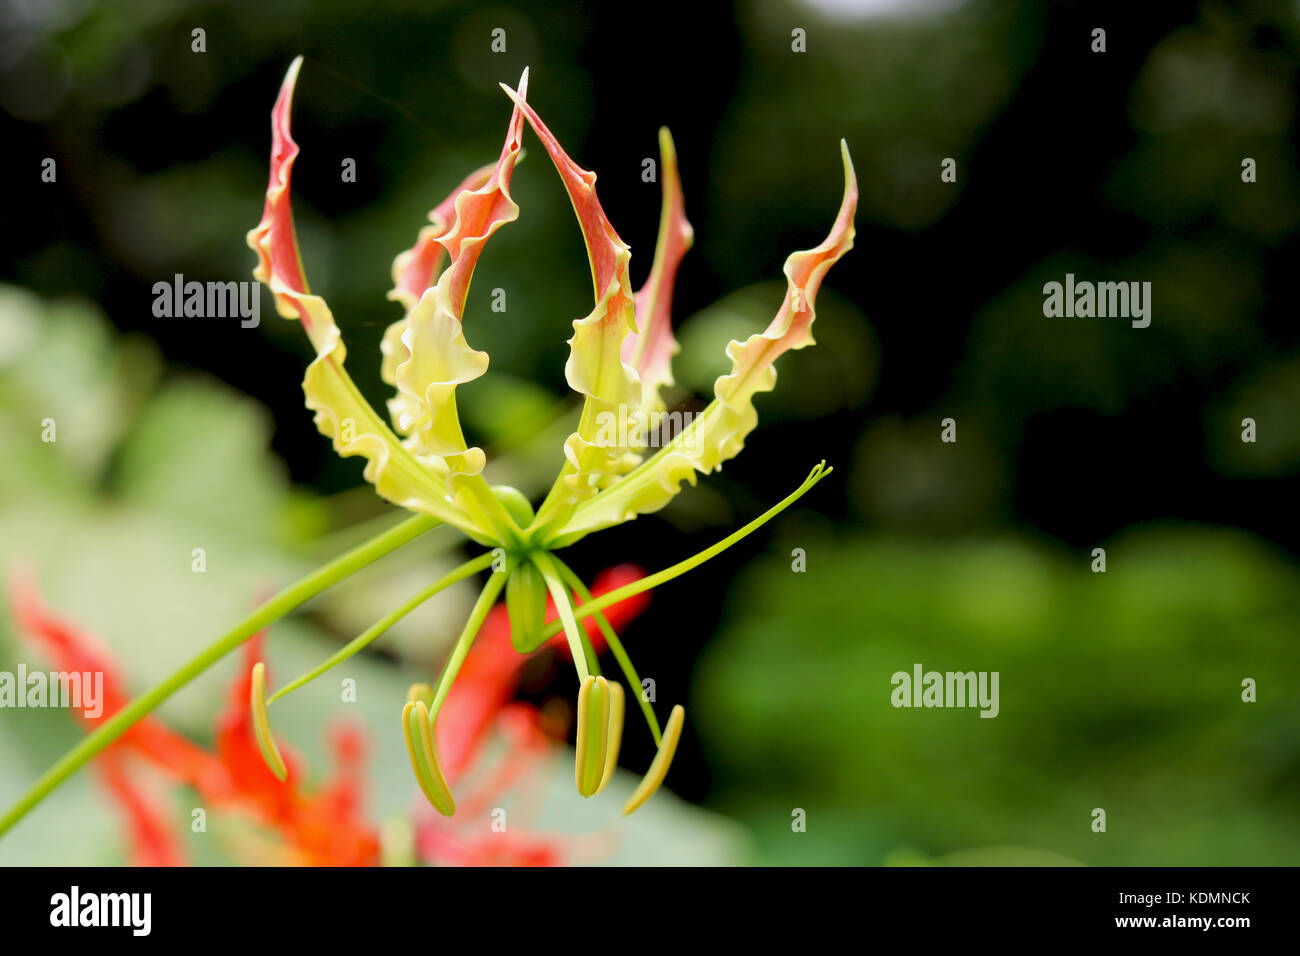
column 1119, row 690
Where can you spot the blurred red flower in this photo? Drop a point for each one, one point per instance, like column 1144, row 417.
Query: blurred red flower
column 325, row 826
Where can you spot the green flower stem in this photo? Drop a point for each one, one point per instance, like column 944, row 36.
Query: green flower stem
column 667, row 574
column 616, row 646
column 564, row 608
column 588, row 649
column 487, row 597
column 278, row 606
column 377, row 629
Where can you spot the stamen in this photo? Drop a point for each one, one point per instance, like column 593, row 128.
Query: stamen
column 422, row 706
column 681, row 567
column 659, row 766
column 417, row 729
column 592, row 745
column 486, row 598
column 615, row 737
column 262, row 724
column 420, row 692
column 584, row 655
column 615, row 645
column 377, row 629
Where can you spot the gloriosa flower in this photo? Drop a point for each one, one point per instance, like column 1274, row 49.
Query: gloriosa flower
column 619, row 361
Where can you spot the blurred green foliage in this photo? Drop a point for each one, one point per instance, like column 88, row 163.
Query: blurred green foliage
column 1120, row 690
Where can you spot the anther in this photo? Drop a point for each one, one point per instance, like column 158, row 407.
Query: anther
column 659, row 766
column 262, row 723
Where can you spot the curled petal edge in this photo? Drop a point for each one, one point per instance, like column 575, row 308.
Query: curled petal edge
column 595, row 367
column 341, row 413
column 718, row 433
column 651, row 348
column 437, row 356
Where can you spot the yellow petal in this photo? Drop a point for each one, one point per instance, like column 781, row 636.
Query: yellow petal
column 415, row 269
column 718, row 433
column 341, row 413
column 437, row 356
column 355, row 428
column 595, row 367
column 651, row 348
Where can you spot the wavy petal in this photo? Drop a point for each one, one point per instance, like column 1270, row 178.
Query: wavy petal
column 414, row 270
column 595, row 367
column 719, row 432
column 438, row 358
column 274, row 239
column 342, row 414
column 651, row 348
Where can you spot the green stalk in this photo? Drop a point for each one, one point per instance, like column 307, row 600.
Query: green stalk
column 681, row 567
column 274, row 609
column 564, row 608
column 377, row 630
column 588, row 650
column 486, row 598
column 615, row 646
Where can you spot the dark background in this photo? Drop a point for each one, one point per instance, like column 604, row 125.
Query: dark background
column 1122, row 165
